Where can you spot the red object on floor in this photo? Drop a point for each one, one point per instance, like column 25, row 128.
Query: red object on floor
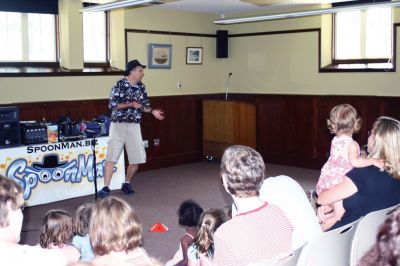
column 158, row 228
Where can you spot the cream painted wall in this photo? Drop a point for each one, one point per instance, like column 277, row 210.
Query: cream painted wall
column 284, row 64
column 195, row 79
column 117, row 38
column 276, row 25
column 39, row 89
column 288, row 64
column 155, row 18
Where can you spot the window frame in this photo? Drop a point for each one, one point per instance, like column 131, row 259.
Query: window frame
column 24, row 63
column 335, row 63
column 105, row 64
column 46, row 69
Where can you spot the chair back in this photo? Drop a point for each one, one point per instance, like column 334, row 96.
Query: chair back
column 332, row 248
column 280, row 260
column 291, row 260
column 365, row 235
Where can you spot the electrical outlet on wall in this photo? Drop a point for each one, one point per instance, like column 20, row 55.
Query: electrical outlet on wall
column 146, row 143
column 156, row 142
column 179, row 85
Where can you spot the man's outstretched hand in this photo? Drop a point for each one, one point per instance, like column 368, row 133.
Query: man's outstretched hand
column 158, row 114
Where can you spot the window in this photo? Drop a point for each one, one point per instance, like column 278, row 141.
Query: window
column 94, row 37
column 27, row 37
column 11, row 36
column 42, row 43
column 363, row 34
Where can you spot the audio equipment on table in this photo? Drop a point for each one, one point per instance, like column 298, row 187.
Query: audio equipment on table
column 33, row 133
column 9, row 127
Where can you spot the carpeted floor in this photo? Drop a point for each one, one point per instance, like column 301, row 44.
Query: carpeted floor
column 157, row 198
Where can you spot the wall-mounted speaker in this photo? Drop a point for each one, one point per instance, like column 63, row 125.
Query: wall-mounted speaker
column 222, row 44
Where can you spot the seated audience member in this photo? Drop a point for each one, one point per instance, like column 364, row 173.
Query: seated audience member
column 364, row 190
column 386, row 249
column 56, row 233
column 80, row 228
column 260, row 230
column 201, row 252
column 189, row 215
column 11, row 253
column 287, row 194
column 116, row 234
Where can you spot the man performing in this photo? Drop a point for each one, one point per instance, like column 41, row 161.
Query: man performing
column 128, row 100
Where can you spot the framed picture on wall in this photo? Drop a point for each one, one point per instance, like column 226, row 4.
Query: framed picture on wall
column 194, row 55
column 160, row 55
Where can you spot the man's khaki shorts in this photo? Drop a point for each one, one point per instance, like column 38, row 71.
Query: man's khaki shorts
column 130, row 136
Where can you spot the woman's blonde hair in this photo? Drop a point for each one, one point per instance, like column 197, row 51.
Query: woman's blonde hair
column 114, row 226
column 387, row 144
column 56, row 229
column 343, row 119
column 11, row 193
column 81, row 219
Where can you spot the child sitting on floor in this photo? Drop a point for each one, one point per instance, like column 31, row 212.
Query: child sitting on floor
column 80, row 228
column 56, row 233
column 201, row 252
column 189, row 215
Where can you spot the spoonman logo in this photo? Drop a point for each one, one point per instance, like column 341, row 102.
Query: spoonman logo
column 51, row 169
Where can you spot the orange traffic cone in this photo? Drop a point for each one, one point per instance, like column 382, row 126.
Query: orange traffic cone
column 158, row 228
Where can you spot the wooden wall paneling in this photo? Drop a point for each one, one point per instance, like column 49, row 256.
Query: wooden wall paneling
column 30, row 111
column 391, row 106
column 290, row 129
column 285, row 129
column 51, row 111
column 227, row 123
column 246, row 131
column 180, row 133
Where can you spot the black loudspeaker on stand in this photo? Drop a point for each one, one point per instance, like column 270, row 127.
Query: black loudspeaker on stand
column 222, row 43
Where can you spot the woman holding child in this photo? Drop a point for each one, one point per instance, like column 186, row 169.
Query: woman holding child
column 367, row 189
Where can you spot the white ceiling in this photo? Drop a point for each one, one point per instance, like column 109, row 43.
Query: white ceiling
column 213, row 6
column 226, row 7
column 233, row 6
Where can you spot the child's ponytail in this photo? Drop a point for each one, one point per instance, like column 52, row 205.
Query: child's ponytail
column 204, row 240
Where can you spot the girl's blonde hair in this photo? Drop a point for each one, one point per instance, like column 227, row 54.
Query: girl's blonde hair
column 210, row 221
column 81, row 219
column 56, row 229
column 114, row 226
column 343, row 119
column 387, row 143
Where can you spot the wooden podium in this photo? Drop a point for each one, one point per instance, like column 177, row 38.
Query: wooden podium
column 227, row 123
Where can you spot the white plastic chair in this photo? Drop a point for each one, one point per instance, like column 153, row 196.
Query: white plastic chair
column 289, row 259
column 332, row 248
column 365, row 235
